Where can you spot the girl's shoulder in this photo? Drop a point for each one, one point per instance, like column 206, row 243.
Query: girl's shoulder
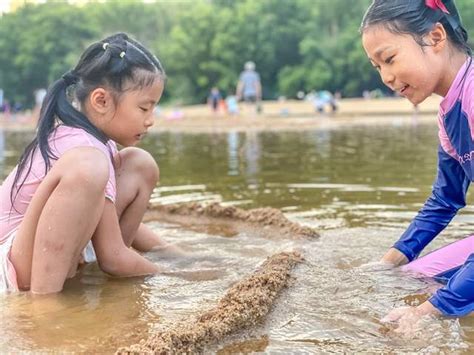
column 66, row 137
column 62, row 130
column 468, row 92
column 461, row 92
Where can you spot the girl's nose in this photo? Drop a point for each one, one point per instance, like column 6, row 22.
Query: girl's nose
column 150, row 121
column 387, row 77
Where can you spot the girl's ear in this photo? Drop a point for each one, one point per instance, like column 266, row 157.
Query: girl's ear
column 437, row 37
column 100, row 100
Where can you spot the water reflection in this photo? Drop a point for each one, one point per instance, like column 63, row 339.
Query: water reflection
column 93, row 312
column 233, row 150
column 253, row 153
column 359, row 186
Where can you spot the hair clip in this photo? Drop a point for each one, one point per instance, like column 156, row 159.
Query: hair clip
column 105, row 45
column 122, row 54
column 436, row 5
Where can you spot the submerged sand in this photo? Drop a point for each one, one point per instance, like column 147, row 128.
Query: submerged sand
column 244, row 305
column 214, row 218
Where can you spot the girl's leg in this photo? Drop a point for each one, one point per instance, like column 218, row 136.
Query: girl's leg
column 61, row 218
column 442, row 263
column 136, row 175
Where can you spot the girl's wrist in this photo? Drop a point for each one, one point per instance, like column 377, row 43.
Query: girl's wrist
column 395, row 257
column 427, row 308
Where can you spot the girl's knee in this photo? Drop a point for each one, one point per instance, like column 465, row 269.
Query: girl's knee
column 140, row 161
column 84, row 167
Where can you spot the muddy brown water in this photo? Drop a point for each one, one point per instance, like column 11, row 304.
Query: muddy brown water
column 358, row 187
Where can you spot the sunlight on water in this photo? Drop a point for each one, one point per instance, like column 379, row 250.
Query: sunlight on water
column 359, row 187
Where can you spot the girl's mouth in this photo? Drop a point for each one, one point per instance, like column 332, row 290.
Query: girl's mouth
column 403, row 89
column 140, row 136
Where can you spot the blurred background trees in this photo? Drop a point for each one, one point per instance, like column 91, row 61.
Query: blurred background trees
column 297, row 45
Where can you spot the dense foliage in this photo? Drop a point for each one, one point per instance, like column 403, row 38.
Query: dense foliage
column 296, row 44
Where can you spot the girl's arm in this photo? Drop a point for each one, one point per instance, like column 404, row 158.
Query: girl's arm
column 113, row 256
column 448, row 196
column 457, row 297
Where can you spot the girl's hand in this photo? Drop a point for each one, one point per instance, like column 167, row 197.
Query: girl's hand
column 408, row 319
column 375, row 266
column 394, row 257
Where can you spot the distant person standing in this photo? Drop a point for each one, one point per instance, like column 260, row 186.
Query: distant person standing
column 249, row 87
column 40, row 94
column 214, row 99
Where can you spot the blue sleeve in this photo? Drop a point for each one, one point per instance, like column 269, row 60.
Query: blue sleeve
column 457, row 297
column 448, row 196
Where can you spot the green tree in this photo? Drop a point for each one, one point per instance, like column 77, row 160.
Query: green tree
column 38, row 44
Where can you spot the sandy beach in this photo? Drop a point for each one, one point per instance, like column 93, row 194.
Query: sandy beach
column 290, row 115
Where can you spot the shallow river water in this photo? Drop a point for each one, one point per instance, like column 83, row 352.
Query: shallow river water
column 358, row 186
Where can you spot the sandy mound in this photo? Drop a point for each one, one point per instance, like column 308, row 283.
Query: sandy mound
column 230, row 220
column 244, row 305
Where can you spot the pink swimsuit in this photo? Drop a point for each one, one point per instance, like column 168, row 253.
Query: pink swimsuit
column 61, row 140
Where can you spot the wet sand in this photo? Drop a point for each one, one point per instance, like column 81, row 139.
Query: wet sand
column 244, row 305
column 230, row 220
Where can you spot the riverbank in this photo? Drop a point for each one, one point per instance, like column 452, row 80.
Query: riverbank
column 279, row 116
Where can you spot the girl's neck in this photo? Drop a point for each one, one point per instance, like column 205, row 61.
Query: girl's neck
column 454, row 64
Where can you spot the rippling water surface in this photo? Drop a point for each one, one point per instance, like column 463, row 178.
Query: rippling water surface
column 359, row 187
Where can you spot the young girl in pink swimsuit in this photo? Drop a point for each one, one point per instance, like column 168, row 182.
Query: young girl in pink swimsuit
column 72, row 188
column 419, row 47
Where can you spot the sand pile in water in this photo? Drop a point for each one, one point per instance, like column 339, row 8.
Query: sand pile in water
column 270, row 218
column 244, row 305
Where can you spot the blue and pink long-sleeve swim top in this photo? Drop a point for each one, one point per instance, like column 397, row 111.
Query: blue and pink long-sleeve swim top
column 455, row 173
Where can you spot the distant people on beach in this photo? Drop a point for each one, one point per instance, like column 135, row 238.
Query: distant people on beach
column 232, row 105
column 372, row 94
column 40, row 94
column 214, row 99
column 249, row 87
column 321, row 100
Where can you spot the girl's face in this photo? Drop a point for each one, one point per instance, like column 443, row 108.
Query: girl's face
column 132, row 116
column 404, row 66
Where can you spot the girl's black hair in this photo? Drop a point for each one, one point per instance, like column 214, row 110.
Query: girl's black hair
column 112, row 62
column 415, row 18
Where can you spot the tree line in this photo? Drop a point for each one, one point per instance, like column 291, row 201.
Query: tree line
column 297, row 45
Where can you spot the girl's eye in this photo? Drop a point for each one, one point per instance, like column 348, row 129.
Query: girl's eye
column 144, row 109
column 389, row 59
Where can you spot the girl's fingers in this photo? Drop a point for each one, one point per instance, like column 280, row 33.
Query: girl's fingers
column 395, row 315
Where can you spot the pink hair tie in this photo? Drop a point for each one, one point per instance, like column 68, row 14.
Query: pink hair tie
column 436, row 5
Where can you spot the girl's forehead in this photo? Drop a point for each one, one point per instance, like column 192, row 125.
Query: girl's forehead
column 376, row 38
column 150, row 92
column 379, row 32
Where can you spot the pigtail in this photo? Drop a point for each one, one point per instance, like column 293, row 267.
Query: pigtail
column 46, row 124
column 55, row 108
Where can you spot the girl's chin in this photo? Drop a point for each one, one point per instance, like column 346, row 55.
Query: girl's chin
column 415, row 100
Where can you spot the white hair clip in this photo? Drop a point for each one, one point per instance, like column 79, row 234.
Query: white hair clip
column 105, row 45
column 122, row 54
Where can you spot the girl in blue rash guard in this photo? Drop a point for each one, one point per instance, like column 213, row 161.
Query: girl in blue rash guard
column 419, row 47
